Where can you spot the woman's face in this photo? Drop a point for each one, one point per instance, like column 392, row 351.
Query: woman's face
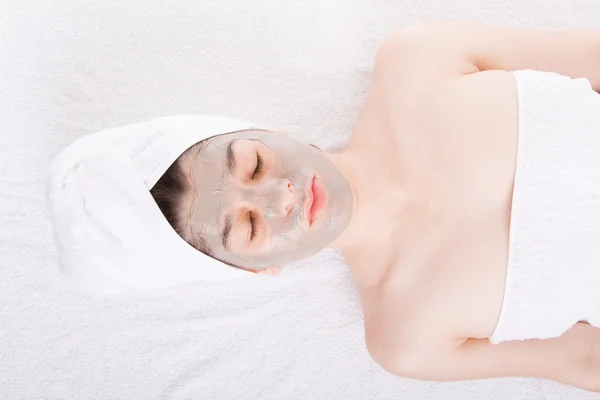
column 265, row 199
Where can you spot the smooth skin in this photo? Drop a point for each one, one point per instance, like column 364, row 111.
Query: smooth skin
column 432, row 164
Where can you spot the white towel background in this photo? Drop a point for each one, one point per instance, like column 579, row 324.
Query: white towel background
column 68, row 68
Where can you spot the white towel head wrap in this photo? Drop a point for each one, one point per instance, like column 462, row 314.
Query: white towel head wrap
column 110, row 233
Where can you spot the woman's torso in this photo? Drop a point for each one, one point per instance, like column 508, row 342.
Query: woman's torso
column 441, row 252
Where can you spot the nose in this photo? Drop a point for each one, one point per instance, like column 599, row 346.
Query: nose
column 288, row 198
column 276, row 197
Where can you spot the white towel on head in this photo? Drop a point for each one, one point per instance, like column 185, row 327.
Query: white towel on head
column 110, row 233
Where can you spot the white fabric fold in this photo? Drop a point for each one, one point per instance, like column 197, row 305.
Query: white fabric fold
column 111, row 235
column 553, row 275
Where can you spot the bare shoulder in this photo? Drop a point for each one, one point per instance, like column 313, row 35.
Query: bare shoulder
column 403, row 322
column 427, row 313
column 406, row 78
column 408, row 335
column 415, row 53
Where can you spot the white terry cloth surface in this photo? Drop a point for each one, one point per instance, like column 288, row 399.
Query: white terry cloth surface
column 72, row 68
column 553, row 276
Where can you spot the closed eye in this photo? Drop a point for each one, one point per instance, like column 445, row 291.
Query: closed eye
column 259, row 166
column 253, row 225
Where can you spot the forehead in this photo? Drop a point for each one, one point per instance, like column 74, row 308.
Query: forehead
column 220, row 151
column 220, row 142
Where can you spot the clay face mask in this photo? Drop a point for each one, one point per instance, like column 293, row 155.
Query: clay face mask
column 263, row 199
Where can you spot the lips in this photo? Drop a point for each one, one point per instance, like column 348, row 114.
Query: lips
column 316, row 200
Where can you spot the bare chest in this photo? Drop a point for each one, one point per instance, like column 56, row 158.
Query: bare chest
column 455, row 153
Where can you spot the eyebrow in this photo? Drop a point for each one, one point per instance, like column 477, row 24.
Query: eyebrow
column 230, row 157
column 226, row 232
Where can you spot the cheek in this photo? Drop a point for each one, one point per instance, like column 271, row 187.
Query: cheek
column 263, row 247
column 295, row 163
column 300, row 173
column 287, row 232
column 287, row 242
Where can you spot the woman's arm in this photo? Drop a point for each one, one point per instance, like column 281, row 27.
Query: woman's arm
column 461, row 47
column 573, row 359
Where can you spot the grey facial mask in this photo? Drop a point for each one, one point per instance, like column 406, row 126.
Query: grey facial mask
column 265, row 199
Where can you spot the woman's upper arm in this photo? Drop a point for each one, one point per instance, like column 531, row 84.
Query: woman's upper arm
column 473, row 359
column 572, row 359
column 479, row 359
column 451, row 48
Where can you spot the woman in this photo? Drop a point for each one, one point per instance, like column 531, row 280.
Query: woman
column 423, row 200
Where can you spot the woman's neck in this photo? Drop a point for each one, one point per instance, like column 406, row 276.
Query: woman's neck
column 371, row 211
